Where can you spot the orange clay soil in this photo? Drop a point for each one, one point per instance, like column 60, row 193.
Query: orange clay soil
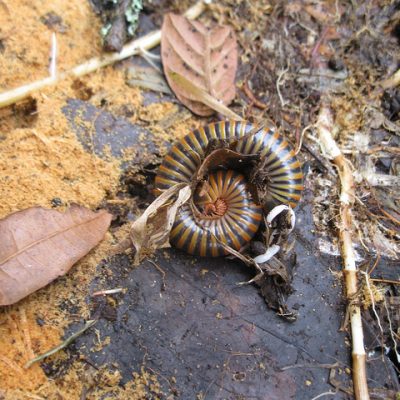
column 41, row 159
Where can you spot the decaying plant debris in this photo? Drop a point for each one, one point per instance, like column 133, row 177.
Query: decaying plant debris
column 291, row 54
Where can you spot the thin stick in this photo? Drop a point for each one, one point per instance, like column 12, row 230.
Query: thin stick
column 391, row 331
column 133, row 48
column 62, row 345
column 388, row 149
column 323, row 395
column 303, row 132
column 247, row 91
column 367, row 279
column 108, row 291
column 328, row 366
column 375, row 264
column 347, row 195
column 162, row 272
column 393, row 282
column 389, row 216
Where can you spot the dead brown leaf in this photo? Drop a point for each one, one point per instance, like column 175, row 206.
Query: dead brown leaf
column 151, row 230
column 205, row 57
column 38, row 245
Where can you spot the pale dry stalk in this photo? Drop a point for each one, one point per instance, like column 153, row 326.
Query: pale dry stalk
column 347, row 195
column 134, row 47
column 393, row 81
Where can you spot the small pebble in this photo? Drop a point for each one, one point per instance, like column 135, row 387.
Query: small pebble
column 56, row 202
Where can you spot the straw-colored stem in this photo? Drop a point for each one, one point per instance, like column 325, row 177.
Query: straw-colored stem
column 133, row 48
column 347, row 196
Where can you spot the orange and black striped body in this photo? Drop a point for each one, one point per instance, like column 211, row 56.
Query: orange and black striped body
column 230, row 215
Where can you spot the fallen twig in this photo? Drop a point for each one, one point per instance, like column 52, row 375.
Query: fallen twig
column 64, row 344
column 387, row 149
column 300, row 143
column 317, row 46
column 324, row 394
column 390, row 281
column 347, row 195
column 371, row 295
column 392, row 334
column 254, row 101
column 106, row 292
column 162, row 272
column 133, row 48
column 378, row 257
column 328, row 366
column 389, row 216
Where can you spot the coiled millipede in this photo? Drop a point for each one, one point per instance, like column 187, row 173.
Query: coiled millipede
column 228, row 212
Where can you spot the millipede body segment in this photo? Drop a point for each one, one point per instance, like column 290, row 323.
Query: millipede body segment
column 227, row 212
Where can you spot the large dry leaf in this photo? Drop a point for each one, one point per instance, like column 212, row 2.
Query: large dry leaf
column 205, row 57
column 38, row 245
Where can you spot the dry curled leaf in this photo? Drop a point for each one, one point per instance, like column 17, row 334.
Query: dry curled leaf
column 38, row 245
column 151, row 230
column 205, row 57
